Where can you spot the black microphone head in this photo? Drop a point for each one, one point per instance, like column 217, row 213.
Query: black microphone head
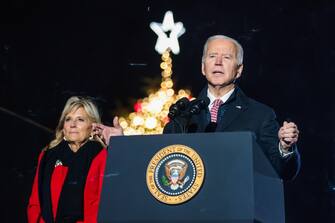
column 173, row 111
column 204, row 102
column 198, row 105
column 182, row 103
column 177, row 107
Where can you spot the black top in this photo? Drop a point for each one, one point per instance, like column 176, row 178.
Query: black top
column 71, row 200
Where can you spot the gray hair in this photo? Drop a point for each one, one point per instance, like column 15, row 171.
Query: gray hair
column 239, row 54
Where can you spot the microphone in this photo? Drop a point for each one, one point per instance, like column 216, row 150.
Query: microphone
column 197, row 105
column 177, row 107
column 184, row 109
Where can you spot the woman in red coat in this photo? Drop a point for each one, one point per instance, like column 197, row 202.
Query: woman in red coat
column 70, row 170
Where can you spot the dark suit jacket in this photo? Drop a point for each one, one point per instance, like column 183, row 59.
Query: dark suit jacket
column 241, row 113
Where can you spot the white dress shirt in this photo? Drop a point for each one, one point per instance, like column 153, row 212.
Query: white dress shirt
column 224, row 98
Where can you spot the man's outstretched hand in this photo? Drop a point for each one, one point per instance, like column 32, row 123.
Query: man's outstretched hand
column 105, row 132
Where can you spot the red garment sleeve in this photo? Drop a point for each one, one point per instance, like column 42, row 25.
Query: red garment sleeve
column 34, row 208
column 93, row 187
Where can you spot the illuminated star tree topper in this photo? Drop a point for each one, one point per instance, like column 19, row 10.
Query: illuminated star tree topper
column 164, row 41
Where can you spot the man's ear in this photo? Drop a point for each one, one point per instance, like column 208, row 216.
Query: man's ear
column 239, row 71
column 203, row 69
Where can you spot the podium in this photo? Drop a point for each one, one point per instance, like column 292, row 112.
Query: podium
column 240, row 185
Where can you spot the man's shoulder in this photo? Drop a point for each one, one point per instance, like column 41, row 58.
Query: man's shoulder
column 259, row 105
column 250, row 102
column 258, row 111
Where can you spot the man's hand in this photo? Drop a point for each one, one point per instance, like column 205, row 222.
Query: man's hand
column 105, row 132
column 288, row 135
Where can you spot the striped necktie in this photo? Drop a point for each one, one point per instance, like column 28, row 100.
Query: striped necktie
column 215, row 109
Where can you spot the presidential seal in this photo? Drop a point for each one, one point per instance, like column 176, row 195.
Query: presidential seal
column 175, row 174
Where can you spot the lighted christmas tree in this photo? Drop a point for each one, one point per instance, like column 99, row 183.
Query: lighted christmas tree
column 151, row 113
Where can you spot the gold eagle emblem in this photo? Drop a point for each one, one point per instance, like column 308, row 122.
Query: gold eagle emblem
column 175, row 171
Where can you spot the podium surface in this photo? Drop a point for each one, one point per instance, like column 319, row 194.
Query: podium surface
column 239, row 185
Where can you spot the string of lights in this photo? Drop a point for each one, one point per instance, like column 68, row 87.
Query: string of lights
column 150, row 113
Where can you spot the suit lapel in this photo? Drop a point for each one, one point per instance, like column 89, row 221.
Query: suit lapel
column 233, row 108
column 231, row 113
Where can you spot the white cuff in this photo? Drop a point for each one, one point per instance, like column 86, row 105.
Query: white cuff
column 283, row 152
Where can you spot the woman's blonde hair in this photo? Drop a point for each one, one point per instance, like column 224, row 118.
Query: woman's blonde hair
column 73, row 104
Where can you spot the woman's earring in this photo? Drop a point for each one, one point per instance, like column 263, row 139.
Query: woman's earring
column 91, row 137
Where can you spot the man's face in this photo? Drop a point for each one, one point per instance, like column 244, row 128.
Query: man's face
column 220, row 64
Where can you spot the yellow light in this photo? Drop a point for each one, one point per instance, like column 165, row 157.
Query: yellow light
column 169, row 83
column 181, row 92
column 138, row 120
column 168, row 61
column 132, row 115
column 144, row 106
column 164, row 74
column 129, row 131
column 162, row 94
column 151, row 96
column 164, row 65
column 141, row 130
column 150, row 123
column 123, row 122
column 168, row 70
column 163, row 114
column 155, row 108
column 165, row 55
column 163, row 85
column 170, row 92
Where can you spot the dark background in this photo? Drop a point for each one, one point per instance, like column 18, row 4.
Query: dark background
column 51, row 50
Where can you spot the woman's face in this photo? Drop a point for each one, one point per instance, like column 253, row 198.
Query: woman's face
column 77, row 126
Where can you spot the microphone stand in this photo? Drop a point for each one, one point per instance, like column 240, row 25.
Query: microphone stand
column 178, row 115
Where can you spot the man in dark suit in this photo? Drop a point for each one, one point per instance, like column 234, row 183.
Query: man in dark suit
column 231, row 110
